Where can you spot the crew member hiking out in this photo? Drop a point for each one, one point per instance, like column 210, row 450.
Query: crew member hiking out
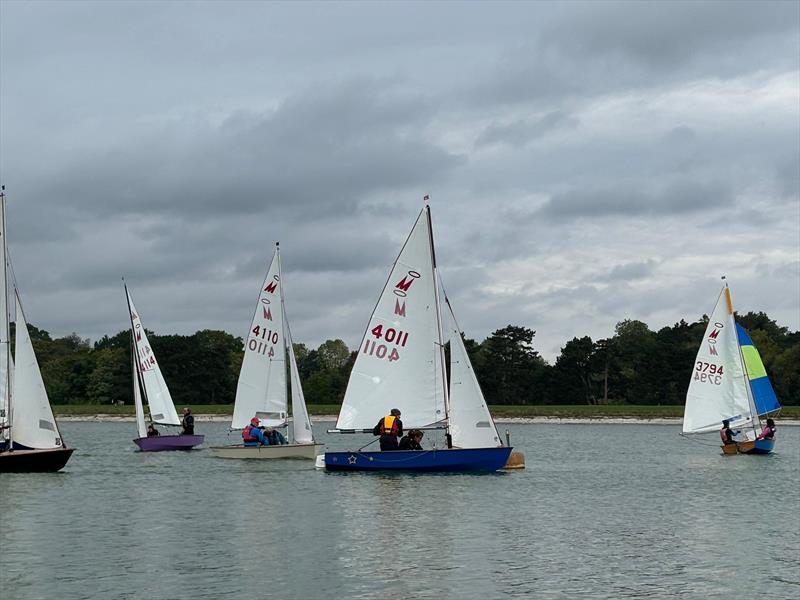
column 390, row 428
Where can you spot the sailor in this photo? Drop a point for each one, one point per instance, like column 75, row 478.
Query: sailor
column 726, row 434
column 187, row 422
column 769, row 431
column 275, row 437
column 389, row 428
column 252, row 435
column 152, row 431
column 411, row 441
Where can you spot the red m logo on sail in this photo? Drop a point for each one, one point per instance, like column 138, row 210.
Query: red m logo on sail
column 712, row 350
column 267, row 313
column 404, row 284
column 400, row 309
column 713, row 335
column 271, row 287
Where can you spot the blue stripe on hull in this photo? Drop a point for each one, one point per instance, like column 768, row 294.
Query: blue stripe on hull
column 762, row 447
column 430, row 461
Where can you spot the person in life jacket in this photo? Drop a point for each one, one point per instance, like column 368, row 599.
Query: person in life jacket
column 389, row 428
column 253, row 435
column 726, row 434
column 769, row 431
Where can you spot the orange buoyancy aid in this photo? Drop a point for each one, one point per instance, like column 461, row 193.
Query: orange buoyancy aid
column 247, row 435
column 390, row 426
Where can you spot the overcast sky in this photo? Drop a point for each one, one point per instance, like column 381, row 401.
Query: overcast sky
column 587, row 162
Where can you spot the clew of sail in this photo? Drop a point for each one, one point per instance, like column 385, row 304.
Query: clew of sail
column 718, row 388
column 763, row 394
column 261, row 390
column 32, row 420
column 397, row 366
column 471, row 424
column 159, row 401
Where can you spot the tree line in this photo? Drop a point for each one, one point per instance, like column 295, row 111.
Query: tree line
column 634, row 366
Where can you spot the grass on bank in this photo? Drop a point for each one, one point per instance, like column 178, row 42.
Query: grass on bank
column 568, row 411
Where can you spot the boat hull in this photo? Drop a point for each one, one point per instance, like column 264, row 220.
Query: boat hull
column 302, row 451
column 34, row 461
column 751, row 447
column 162, row 443
column 422, row 461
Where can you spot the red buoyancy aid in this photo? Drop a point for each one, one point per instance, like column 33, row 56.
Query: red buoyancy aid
column 389, row 426
column 247, row 436
column 723, row 434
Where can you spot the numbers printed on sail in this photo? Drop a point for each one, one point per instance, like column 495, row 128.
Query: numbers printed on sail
column 265, row 334
column 399, row 338
column 708, row 372
column 373, row 348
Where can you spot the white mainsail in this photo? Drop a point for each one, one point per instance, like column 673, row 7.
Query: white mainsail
column 471, row 424
column 261, row 390
column 159, row 401
column 718, row 389
column 397, row 364
column 32, row 422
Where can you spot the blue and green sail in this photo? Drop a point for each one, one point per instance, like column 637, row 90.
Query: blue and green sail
column 763, row 394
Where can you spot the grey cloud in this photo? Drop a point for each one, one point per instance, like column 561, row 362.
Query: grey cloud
column 677, row 198
column 632, row 271
column 522, row 132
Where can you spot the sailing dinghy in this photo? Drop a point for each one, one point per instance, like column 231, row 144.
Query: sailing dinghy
column 148, row 383
column 31, row 440
column 729, row 383
column 401, row 363
column 261, row 391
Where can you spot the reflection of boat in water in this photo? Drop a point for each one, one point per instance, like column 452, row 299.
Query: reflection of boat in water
column 149, row 383
column 401, row 362
column 31, row 440
column 729, row 383
column 261, row 391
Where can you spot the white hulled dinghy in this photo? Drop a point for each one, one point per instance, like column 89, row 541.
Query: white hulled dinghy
column 31, row 440
column 261, row 392
column 401, row 363
column 729, row 383
column 148, row 383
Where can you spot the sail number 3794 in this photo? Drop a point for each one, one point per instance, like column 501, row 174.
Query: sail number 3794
column 708, row 372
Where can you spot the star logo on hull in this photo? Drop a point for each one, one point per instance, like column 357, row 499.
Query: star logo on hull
column 352, row 459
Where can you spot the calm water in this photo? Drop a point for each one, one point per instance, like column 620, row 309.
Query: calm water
column 602, row 511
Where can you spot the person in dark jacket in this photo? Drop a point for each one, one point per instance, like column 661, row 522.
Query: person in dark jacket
column 411, row 441
column 390, row 428
column 152, row 431
column 187, row 422
column 726, row 433
column 275, row 437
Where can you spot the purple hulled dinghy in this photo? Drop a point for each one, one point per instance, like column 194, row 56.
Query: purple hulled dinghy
column 161, row 443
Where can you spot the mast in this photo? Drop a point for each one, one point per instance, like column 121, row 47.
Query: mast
column 5, row 334
column 754, row 418
column 439, row 321
column 285, row 337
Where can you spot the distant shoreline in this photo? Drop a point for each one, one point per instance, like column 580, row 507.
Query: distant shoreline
column 615, row 420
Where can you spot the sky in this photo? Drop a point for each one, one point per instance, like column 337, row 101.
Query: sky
column 586, row 162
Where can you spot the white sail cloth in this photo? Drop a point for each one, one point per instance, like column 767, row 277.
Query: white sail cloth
column 397, row 364
column 301, row 424
column 32, row 421
column 718, row 389
column 471, row 424
column 159, row 400
column 261, row 390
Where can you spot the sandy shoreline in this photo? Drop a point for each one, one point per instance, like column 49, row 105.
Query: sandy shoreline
column 499, row 421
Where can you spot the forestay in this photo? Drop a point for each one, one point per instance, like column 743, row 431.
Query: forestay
column 32, row 421
column 397, row 366
column 261, row 390
column 159, row 401
column 471, row 424
column 718, row 389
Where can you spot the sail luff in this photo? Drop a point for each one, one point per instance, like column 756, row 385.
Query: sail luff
column 5, row 330
column 137, row 393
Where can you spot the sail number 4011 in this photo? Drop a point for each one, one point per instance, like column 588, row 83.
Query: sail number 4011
column 708, row 372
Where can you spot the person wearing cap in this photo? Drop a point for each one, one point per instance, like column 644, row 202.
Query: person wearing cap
column 253, row 435
column 390, row 428
column 187, row 422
